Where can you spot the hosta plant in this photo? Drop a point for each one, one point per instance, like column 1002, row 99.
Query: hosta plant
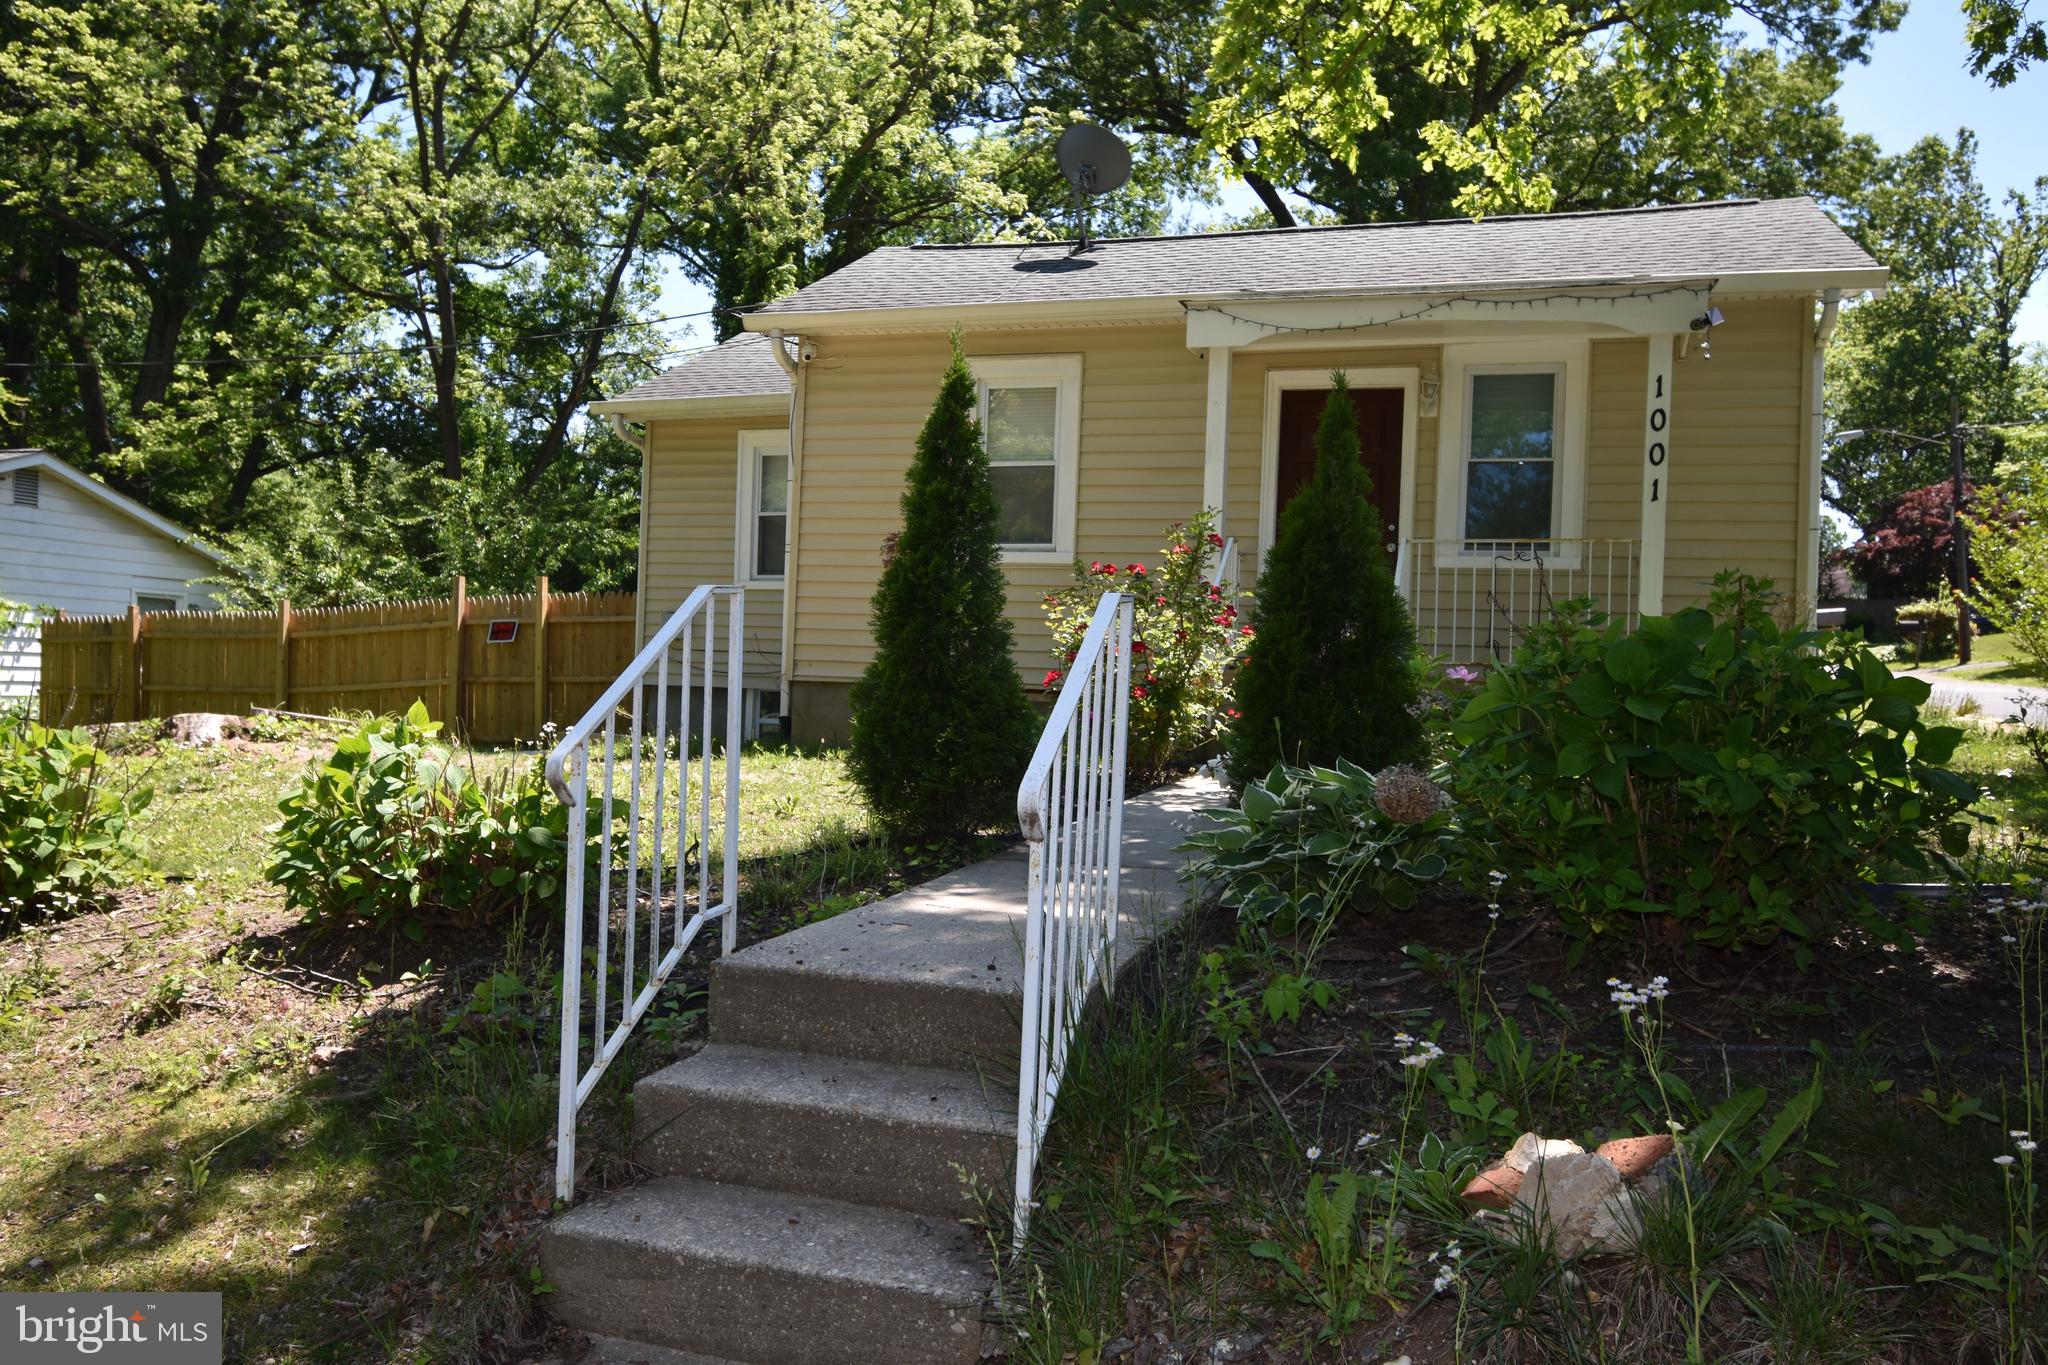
column 1737, row 779
column 64, row 831
column 1304, row 843
column 393, row 830
column 1186, row 634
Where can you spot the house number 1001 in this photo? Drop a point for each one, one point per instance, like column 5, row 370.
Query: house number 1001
column 1659, row 418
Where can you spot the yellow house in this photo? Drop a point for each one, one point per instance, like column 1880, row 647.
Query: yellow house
column 1612, row 404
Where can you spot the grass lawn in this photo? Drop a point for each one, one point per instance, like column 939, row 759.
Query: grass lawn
column 347, row 1136
column 1993, row 659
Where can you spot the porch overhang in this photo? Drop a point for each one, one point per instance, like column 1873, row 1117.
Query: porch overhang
column 1620, row 310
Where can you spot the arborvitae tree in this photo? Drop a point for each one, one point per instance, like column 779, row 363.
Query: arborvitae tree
column 941, row 727
column 1330, row 671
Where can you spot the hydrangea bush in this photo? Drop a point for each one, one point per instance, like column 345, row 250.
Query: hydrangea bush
column 64, row 833
column 1186, row 635
column 393, row 831
column 1747, row 780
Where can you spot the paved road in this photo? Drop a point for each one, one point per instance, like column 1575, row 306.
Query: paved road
column 1994, row 699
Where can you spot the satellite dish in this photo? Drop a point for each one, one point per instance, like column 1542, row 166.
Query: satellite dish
column 1094, row 161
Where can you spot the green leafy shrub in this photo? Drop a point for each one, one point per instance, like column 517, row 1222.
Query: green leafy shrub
column 1185, row 636
column 941, row 728
column 1329, row 674
column 2012, row 556
column 1745, row 779
column 392, row 831
column 64, row 833
column 1306, row 842
column 1936, row 616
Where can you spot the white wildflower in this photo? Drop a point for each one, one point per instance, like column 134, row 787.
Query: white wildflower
column 2003, row 1159
column 1314, row 1154
column 1366, row 1140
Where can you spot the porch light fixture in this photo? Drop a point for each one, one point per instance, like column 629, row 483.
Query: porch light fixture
column 1704, row 324
column 1432, row 389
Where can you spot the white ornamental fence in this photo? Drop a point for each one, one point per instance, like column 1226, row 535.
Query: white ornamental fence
column 1071, row 808
column 636, row 898
column 1472, row 599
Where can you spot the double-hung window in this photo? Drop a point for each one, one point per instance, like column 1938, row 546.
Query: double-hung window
column 1031, row 423
column 1511, row 466
column 763, row 539
column 1511, row 453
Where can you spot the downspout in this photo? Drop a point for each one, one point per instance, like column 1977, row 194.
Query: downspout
column 794, row 369
column 624, row 431
column 1823, row 332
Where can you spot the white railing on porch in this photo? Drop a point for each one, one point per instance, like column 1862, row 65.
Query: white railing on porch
column 1071, row 806
column 1225, row 576
column 585, row 768
column 1472, row 599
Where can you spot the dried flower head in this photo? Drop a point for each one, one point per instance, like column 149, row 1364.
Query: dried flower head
column 1405, row 796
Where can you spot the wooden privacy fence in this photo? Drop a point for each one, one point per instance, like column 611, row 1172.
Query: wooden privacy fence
column 498, row 667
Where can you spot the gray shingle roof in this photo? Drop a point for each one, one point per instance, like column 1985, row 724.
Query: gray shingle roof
column 742, row 367
column 1681, row 242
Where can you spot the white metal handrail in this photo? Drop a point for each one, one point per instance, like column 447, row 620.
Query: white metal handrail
column 1226, row 567
column 624, row 897
column 1071, row 807
column 1471, row 599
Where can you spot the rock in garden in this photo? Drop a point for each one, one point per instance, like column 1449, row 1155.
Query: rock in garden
column 198, row 729
column 1564, row 1193
column 1531, row 1148
column 1634, row 1156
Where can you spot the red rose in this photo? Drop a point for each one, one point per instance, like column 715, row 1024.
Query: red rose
column 1244, row 630
column 1216, row 540
column 1139, row 647
column 1138, row 693
column 1138, row 569
column 1180, row 549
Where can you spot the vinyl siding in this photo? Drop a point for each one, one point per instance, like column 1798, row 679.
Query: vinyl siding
column 1737, row 425
column 865, row 400
column 1738, row 419
column 690, row 487
column 76, row 553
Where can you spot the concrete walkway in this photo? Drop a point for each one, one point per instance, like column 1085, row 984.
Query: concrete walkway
column 1995, row 700
column 812, row 1164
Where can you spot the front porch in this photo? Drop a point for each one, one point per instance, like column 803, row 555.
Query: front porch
column 1472, row 600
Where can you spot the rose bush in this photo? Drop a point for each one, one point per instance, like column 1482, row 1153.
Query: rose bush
column 1186, row 634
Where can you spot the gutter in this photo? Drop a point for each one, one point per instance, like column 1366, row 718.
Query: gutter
column 1823, row 332
column 624, row 432
column 795, row 370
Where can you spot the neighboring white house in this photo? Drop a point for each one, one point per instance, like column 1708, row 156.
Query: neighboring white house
column 70, row 543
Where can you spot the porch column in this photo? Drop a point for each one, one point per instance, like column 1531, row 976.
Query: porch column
column 1216, row 434
column 1656, row 474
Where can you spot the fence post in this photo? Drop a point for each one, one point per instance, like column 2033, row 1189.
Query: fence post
column 458, row 604
column 540, row 655
column 284, row 655
column 128, row 705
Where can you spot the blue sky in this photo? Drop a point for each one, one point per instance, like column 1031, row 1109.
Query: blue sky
column 1916, row 83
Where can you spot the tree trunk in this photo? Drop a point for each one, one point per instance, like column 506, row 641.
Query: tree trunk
column 92, row 395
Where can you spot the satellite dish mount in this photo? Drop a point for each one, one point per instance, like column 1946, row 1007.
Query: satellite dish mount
column 1094, row 161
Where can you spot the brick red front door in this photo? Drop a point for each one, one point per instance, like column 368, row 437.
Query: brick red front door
column 1379, row 447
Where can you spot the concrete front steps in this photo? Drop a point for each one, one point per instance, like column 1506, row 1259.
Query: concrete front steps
column 812, row 1164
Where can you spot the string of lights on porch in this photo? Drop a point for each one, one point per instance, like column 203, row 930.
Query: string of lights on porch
column 1532, row 302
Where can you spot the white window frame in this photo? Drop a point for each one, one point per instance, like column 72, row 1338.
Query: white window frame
column 1063, row 374
column 1570, row 361
column 747, row 504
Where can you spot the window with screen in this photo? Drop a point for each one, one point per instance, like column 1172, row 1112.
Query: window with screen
column 763, row 541
column 1030, row 422
column 1511, row 455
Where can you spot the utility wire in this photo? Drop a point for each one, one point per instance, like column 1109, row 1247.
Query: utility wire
column 409, row 348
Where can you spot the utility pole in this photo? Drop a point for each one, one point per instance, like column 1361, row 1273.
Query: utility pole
column 1959, row 534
